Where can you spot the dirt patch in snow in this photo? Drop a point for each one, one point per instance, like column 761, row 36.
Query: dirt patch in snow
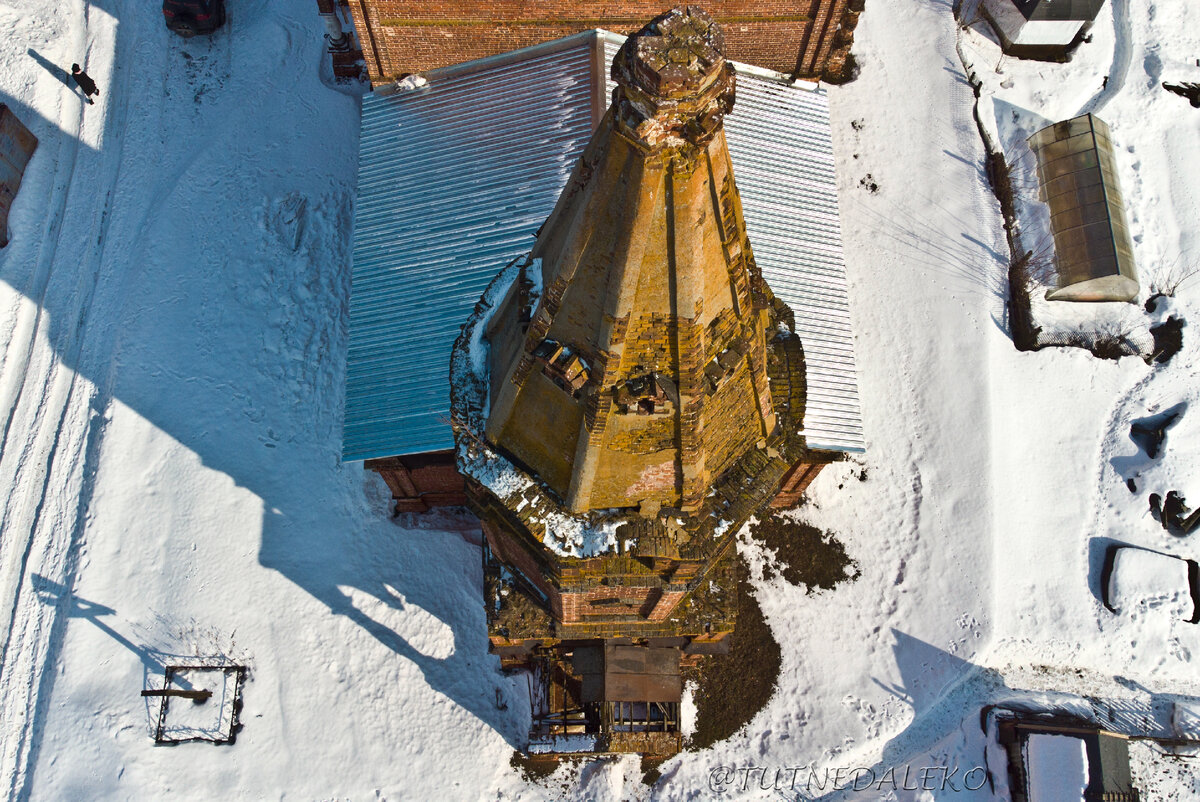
column 804, row 555
column 732, row 688
column 543, row 771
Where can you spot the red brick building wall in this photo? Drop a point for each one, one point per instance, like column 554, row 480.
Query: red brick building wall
column 795, row 482
column 17, row 145
column 407, row 36
column 509, row 551
column 421, row 481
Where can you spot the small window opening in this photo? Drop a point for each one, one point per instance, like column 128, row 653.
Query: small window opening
column 646, row 394
column 562, row 366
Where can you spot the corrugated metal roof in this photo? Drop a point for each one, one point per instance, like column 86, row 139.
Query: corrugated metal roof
column 455, row 178
column 780, row 144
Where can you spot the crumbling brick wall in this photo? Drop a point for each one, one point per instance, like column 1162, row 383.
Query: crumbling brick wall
column 407, row 36
column 421, row 481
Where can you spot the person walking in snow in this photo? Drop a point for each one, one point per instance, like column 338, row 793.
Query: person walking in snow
column 84, row 82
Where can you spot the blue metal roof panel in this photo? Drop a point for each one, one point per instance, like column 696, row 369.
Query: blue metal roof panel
column 454, row 179
column 782, row 152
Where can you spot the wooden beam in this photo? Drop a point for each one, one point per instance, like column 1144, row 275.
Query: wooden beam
column 195, row 696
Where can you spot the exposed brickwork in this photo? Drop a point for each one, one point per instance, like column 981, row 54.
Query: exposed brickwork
column 403, row 36
column 603, row 605
column 654, row 480
column 666, row 605
column 795, row 482
column 421, row 481
column 17, row 145
column 818, row 39
column 510, row 551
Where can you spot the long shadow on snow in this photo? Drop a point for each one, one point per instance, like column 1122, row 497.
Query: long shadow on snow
column 56, row 594
column 946, row 694
column 968, row 260
column 188, row 347
column 58, row 72
column 367, row 578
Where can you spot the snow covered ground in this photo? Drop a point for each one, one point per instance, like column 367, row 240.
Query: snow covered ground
column 172, row 344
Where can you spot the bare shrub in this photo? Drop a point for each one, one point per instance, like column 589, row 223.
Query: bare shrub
column 1025, row 333
column 1167, row 280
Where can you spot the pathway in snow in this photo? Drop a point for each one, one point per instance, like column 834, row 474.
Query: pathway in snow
column 51, row 407
column 92, row 191
column 1121, row 59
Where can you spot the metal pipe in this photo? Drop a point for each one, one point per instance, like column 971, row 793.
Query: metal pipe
column 338, row 41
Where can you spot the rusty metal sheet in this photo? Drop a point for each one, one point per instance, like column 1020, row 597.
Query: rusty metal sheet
column 618, row 673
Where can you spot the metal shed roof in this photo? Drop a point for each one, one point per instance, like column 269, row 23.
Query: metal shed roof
column 456, row 176
column 1059, row 10
column 616, row 673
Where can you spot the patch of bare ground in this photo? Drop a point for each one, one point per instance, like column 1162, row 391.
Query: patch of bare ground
column 534, row 768
column 540, row 769
column 732, row 688
column 804, row 555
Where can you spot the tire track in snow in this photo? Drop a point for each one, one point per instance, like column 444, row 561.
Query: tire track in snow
column 30, row 317
column 53, row 472
column 17, row 368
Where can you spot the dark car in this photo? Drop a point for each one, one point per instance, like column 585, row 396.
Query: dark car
column 190, row 17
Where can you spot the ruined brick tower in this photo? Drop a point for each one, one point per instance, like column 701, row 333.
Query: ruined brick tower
column 648, row 301
column 625, row 398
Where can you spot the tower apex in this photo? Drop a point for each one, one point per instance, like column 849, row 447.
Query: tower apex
column 674, row 84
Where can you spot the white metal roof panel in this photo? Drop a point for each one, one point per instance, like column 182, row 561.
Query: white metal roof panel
column 455, row 178
column 782, row 152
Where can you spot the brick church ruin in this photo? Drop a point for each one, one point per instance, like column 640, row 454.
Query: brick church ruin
column 637, row 379
column 625, row 397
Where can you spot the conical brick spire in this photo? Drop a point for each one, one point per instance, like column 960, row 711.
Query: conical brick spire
column 640, row 375
column 635, row 404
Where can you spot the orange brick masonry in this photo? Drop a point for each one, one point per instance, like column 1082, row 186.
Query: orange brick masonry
column 406, row 36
